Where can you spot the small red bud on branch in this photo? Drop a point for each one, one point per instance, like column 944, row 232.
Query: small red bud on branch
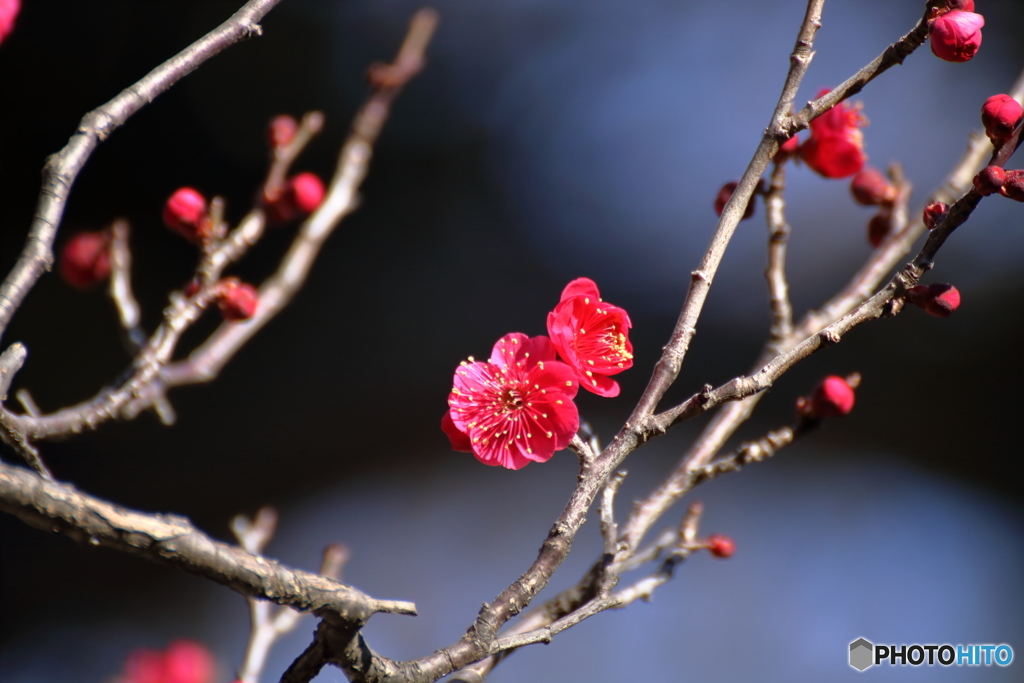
column 1000, row 115
column 934, row 214
column 236, row 300
column 834, row 397
column 721, row 546
column 185, row 213
column 86, row 259
column 1013, row 186
column 937, row 299
column 956, row 35
column 871, row 188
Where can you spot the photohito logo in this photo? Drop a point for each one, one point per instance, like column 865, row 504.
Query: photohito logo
column 863, row 654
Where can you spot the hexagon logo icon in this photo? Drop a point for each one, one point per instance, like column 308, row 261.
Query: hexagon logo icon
column 861, row 654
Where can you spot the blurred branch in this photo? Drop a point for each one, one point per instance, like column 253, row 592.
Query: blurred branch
column 173, row 540
column 62, row 168
column 778, row 239
column 152, row 375
column 267, row 623
column 121, row 284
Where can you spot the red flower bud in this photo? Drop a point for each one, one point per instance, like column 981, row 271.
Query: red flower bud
column 871, row 188
column 936, row 299
column 878, row 228
column 1013, row 187
column 236, row 300
column 301, row 195
column 962, row 5
column 989, row 181
column 956, row 36
column 725, row 194
column 85, row 259
column 934, row 214
column 721, row 546
column 834, row 397
column 787, row 150
column 1000, row 115
column 282, row 130
column 307, row 191
column 185, row 214
column 8, row 13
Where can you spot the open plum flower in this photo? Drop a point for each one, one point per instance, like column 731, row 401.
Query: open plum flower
column 515, row 409
column 591, row 336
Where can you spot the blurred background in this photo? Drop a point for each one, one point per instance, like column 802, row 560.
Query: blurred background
column 545, row 141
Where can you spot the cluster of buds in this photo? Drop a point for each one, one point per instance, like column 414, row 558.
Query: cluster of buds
column 871, row 188
column 725, row 194
column 300, row 196
column 835, row 148
column 993, row 179
column 236, row 300
column 937, row 299
column 833, row 397
column 85, row 260
column 295, row 197
column 955, row 31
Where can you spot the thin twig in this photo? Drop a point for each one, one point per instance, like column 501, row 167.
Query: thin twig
column 62, row 168
column 268, row 622
column 861, row 286
column 121, row 284
column 206, row 362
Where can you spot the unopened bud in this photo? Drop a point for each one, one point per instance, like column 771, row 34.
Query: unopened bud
column 934, row 214
column 185, row 214
column 723, row 196
column 282, row 131
column 721, row 546
column 871, row 188
column 1013, row 186
column 834, row 397
column 86, row 259
column 937, row 299
column 878, row 228
column 236, row 300
column 307, row 191
column 956, row 35
column 989, row 180
column 1000, row 115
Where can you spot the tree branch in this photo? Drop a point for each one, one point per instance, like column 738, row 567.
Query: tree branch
column 62, row 168
column 173, row 540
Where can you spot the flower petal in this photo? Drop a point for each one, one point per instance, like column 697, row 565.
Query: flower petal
column 582, row 286
column 460, row 440
column 504, row 352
